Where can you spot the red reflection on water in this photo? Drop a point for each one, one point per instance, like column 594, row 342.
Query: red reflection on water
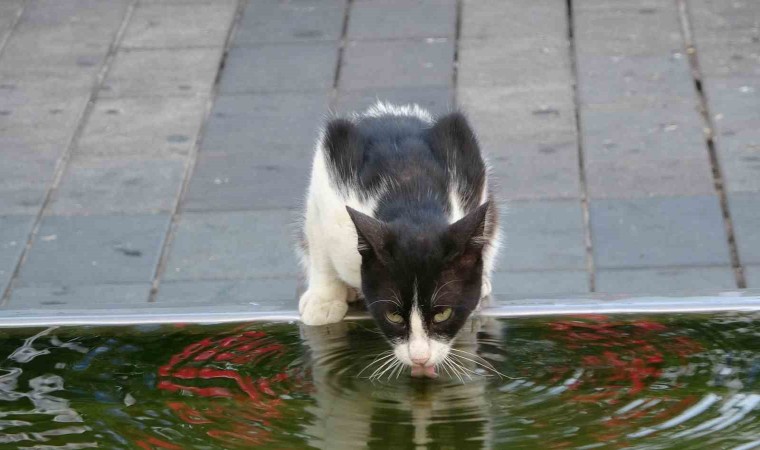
column 238, row 406
column 623, row 350
column 620, row 360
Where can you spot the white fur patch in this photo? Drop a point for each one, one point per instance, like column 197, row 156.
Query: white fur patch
column 381, row 108
column 420, row 349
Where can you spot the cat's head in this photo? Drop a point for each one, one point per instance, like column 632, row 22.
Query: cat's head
column 421, row 284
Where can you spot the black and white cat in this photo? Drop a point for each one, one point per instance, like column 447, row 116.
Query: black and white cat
column 399, row 212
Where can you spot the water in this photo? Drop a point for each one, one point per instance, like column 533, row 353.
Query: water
column 668, row 381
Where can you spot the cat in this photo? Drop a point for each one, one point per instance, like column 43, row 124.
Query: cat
column 399, row 212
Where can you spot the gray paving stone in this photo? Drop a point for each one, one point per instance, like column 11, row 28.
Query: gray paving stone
column 284, row 21
column 542, row 235
column 735, row 106
column 168, row 25
column 752, row 276
column 662, row 131
column 118, row 187
column 658, row 232
column 529, row 136
column 14, row 232
column 739, row 155
column 733, row 101
column 723, row 16
column 24, row 180
column 627, row 28
column 77, row 250
column 280, row 67
column 22, row 58
column 726, row 36
column 636, row 175
column 537, row 283
column 233, row 245
column 98, row 296
column 643, row 151
column 634, row 80
column 397, row 64
column 137, row 128
column 147, row 73
column 541, row 114
column 543, row 62
column 529, row 170
column 23, row 124
column 394, row 19
column 736, row 62
column 21, row 86
column 246, row 181
column 437, row 100
column 512, row 20
column 745, row 215
column 731, row 52
column 260, row 294
column 65, row 36
column 283, row 124
column 79, row 14
column 9, row 11
column 657, row 281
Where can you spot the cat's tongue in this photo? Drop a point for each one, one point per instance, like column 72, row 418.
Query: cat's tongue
column 423, row 371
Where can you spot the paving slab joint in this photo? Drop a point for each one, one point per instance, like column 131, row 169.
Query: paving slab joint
column 457, row 38
column 192, row 159
column 333, row 103
column 709, row 127
column 584, row 197
column 12, row 28
column 63, row 160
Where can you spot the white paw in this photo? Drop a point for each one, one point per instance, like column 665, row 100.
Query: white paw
column 485, row 288
column 319, row 309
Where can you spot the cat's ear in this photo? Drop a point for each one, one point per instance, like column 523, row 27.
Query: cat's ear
column 372, row 233
column 467, row 235
column 453, row 134
column 342, row 142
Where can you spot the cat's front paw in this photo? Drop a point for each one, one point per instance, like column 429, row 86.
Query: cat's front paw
column 318, row 309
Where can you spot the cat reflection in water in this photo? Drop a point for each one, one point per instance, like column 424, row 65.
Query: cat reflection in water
column 357, row 412
column 399, row 213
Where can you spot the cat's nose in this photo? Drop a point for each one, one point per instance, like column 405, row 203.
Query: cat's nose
column 420, row 360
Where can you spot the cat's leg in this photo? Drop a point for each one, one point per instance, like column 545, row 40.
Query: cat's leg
column 325, row 300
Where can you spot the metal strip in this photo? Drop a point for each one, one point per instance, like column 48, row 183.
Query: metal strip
column 737, row 302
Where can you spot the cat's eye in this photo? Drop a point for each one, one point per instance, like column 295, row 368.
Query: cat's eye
column 443, row 315
column 393, row 317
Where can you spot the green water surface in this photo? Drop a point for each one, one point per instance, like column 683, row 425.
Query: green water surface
column 644, row 382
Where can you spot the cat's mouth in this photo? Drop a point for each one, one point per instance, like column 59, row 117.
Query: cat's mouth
column 419, row 371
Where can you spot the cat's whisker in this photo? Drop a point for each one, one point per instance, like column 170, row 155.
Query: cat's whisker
column 465, row 371
column 434, row 297
column 400, row 369
column 381, row 357
column 390, row 369
column 443, row 366
column 453, row 369
column 386, row 300
column 395, row 296
column 381, row 367
column 463, row 365
column 482, row 363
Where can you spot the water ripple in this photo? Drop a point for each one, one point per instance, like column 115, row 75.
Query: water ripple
column 572, row 382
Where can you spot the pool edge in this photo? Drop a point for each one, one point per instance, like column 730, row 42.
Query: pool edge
column 725, row 302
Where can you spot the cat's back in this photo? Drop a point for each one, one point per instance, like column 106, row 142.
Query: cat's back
column 403, row 149
column 390, row 162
